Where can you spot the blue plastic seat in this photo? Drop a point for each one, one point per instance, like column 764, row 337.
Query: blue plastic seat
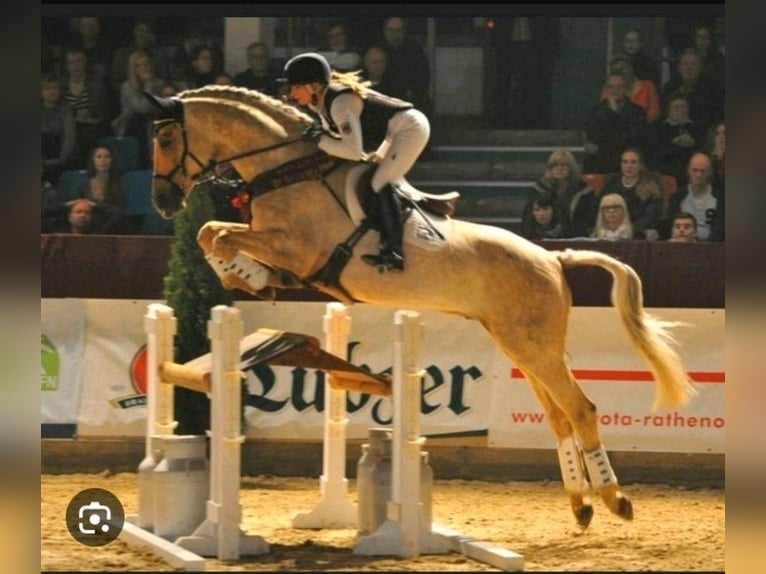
column 137, row 185
column 70, row 183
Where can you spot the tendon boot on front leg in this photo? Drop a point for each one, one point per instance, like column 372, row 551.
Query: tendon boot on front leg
column 243, row 273
column 390, row 256
column 575, row 483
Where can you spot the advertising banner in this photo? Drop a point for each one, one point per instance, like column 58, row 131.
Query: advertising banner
column 613, row 375
column 469, row 387
column 62, row 342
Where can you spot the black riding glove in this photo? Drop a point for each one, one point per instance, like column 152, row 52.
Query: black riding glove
column 313, row 133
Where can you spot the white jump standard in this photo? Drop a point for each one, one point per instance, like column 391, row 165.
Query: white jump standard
column 406, row 532
column 219, row 534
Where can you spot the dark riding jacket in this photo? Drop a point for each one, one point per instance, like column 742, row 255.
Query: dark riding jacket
column 378, row 110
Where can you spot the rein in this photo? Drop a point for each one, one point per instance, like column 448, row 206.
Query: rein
column 213, row 163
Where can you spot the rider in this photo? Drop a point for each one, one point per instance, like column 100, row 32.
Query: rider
column 359, row 123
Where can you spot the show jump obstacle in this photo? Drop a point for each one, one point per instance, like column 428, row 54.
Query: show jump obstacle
column 173, row 532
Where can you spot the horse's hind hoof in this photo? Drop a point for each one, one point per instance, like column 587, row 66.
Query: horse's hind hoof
column 584, row 515
column 625, row 508
column 267, row 294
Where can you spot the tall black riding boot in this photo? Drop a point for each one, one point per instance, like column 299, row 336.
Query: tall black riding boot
column 390, row 256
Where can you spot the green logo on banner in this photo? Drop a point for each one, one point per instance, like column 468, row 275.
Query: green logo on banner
column 49, row 365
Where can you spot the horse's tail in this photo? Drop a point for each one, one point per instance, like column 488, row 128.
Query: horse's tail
column 650, row 336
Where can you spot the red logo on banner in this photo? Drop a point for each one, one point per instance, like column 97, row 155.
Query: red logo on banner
column 138, row 370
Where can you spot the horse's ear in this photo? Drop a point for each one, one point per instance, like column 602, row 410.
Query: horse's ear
column 165, row 107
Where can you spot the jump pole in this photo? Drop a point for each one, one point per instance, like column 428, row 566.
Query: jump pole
column 335, row 509
column 404, row 532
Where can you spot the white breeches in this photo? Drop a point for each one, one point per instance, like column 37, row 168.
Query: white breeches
column 408, row 133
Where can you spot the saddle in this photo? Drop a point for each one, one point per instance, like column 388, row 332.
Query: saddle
column 442, row 204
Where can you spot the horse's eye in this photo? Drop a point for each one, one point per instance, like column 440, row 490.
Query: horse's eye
column 165, row 143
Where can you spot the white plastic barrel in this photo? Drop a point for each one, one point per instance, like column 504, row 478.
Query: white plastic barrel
column 181, row 484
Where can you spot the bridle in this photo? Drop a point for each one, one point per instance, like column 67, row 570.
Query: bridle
column 209, row 169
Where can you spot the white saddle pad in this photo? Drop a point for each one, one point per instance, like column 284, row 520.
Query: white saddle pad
column 417, row 231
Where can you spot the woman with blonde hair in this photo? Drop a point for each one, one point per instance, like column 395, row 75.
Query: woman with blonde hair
column 135, row 119
column 641, row 190
column 359, row 123
column 575, row 200
column 613, row 221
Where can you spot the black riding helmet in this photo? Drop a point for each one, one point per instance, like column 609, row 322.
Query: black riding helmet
column 307, row 68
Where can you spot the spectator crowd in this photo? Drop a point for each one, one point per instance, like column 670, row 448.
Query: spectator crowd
column 654, row 152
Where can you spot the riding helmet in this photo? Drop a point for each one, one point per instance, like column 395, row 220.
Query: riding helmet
column 307, row 68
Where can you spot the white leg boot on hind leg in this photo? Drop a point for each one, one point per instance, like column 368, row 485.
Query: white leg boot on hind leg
column 572, row 471
column 599, row 468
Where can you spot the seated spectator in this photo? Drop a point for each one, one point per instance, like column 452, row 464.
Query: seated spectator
column 374, row 69
column 58, row 130
column 80, row 216
column 408, row 70
column 641, row 92
column 644, row 66
column 104, row 189
column 613, row 222
column 705, row 97
column 715, row 147
column 542, row 219
column 641, row 191
column 87, row 95
column 199, row 32
column 144, row 39
column 674, row 139
column 337, row 50
column 700, row 198
column 576, row 202
column 614, row 124
column 683, row 228
column 89, row 37
column 260, row 74
column 135, row 118
column 712, row 60
column 202, row 70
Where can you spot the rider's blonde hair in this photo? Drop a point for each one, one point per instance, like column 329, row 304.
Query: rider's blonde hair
column 353, row 80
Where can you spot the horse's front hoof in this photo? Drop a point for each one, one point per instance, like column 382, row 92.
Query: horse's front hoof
column 584, row 515
column 624, row 508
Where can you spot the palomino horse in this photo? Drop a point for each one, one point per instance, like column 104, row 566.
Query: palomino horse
column 303, row 214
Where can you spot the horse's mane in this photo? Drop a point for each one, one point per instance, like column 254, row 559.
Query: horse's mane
column 286, row 115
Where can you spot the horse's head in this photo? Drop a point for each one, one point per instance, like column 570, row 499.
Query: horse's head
column 200, row 129
column 170, row 182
